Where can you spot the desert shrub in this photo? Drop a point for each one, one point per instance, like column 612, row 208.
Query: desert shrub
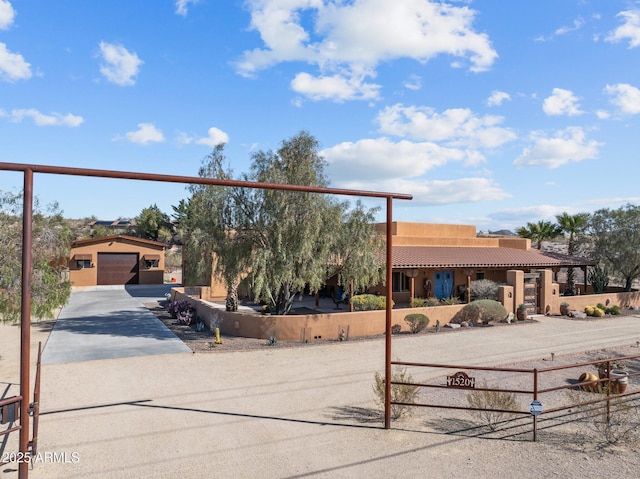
column 622, row 426
column 481, row 311
column 484, row 289
column 598, row 313
column 601, row 306
column 613, row 310
column 487, row 401
column 404, row 393
column 187, row 316
column 424, row 302
column 450, row 301
column 396, row 328
column 589, row 310
column 417, row 322
column 176, row 307
column 368, row 302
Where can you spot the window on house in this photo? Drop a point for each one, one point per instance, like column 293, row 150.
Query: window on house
column 400, row 282
column 479, row 275
column 151, row 263
column 83, row 263
column 82, row 260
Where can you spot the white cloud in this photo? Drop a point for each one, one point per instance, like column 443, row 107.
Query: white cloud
column 146, row 133
column 603, row 114
column 414, row 82
column 432, row 193
column 625, row 96
column 567, row 146
column 563, row 30
column 334, row 87
column 498, row 97
column 577, row 24
column 379, row 159
column 455, row 126
column 182, row 6
column 13, row 66
column 630, row 29
column 120, row 66
column 561, row 102
column 40, row 119
column 349, row 39
column 531, row 213
column 7, row 14
column 215, row 137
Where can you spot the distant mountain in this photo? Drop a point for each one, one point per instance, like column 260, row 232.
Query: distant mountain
column 503, row 233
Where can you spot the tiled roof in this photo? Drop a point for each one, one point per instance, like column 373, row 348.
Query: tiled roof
column 479, row 257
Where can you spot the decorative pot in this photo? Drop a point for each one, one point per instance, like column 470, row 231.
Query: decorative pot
column 593, row 386
column 619, row 381
column 521, row 314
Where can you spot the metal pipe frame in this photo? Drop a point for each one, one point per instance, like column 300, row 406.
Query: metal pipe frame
column 27, row 219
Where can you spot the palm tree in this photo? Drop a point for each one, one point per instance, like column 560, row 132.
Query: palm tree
column 574, row 226
column 539, row 232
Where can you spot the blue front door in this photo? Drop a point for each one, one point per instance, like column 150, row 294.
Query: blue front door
column 443, row 284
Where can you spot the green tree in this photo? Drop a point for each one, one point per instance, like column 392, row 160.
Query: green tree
column 51, row 239
column 539, row 232
column 283, row 241
column 574, row 226
column 153, row 224
column 614, row 237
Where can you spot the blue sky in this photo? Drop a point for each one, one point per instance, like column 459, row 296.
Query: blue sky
column 489, row 113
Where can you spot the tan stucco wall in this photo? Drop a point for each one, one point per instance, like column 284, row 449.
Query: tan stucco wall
column 311, row 327
column 433, row 234
column 365, row 323
column 89, row 276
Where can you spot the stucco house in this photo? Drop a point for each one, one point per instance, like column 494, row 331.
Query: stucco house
column 440, row 260
column 115, row 260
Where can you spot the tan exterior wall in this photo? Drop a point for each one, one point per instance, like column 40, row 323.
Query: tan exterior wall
column 432, row 234
column 366, row 323
column 310, row 327
column 89, row 276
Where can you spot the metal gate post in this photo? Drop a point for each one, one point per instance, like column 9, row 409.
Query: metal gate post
column 25, row 320
column 387, row 356
column 535, row 398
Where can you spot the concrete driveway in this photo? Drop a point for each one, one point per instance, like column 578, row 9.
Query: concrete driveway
column 107, row 322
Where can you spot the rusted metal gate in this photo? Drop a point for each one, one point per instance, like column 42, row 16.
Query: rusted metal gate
column 28, row 171
column 606, row 389
column 10, row 413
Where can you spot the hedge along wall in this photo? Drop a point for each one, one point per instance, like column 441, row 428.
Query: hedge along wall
column 310, row 326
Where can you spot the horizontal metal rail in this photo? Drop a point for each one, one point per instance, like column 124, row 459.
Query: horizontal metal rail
column 6, row 405
column 535, row 391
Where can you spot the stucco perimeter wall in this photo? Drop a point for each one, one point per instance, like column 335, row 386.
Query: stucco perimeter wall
column 310, row 327
column 622, row 299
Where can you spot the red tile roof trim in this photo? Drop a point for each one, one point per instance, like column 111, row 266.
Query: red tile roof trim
column 480, row 257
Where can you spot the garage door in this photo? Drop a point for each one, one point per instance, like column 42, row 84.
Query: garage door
column 118, row 268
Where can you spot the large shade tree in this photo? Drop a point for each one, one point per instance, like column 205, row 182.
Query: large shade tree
column 153, row 224
column 539, row 232
column 574, row 226
column 282, row 241
column 614, row 237
column 51, row 239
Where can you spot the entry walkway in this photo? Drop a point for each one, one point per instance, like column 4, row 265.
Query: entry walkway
column 106, row 322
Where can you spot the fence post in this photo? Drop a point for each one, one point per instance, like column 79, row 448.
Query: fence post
column 608, row 391
column 535, row 398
